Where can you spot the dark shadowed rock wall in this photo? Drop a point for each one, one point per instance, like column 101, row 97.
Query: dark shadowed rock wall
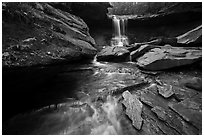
column 40, row 34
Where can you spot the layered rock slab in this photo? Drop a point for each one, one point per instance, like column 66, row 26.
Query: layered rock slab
column 169, row 57
column 190, row 110
column 160, row 107
column 39, row 34
column 113, row 54
column 191, row 37
column 133, row 109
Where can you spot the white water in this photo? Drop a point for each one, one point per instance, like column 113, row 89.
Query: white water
column 96, row 63
column 111, row 124
column 120, row 38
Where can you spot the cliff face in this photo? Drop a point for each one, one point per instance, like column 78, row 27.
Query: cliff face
column 158, row 13
column 38, row 33
column 93, row 13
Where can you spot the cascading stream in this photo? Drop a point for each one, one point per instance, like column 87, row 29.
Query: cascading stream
column 119, row 37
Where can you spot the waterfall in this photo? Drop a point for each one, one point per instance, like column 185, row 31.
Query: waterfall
column 116, row 24
column 123, row 26
column 119, row 38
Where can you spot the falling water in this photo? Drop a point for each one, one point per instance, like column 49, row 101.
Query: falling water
column 123, row 26
column 120, row 38
column 117, row 27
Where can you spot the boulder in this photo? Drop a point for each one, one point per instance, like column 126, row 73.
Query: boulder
column 167, row 57
column 165, row 90
column 41, row 28
column 140, row 51
column 133, row 109
column 113, row 54
column 192, row 37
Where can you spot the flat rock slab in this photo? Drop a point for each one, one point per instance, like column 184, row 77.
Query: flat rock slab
column 160, row 107
column 152, row 99
column 160, row 112
column 166, row 90
column 133, row 109
column 113, row 54
column 189, row 110
column 192, row 36
column 140, row 51
column 193, row 83
column 168, row 57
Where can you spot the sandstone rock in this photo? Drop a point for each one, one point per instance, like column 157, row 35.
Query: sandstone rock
column 164, row 40
column 168, row 57
column 191, row 37
column 194, row 83
column 113, row 54
column 152, row 99
column 160, row 112
column 133, row 47
column 160, row 108
column 165, row 90
column 44, row 29
column 181, row 94
column 140, row 51
column 190, row 111
column 133, row 109
column 165, row 128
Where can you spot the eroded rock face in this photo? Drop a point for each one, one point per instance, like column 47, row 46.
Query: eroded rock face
column 37, row 33
column 178, row 13
column 133, row 109
column 168, row 57
column 113, row 54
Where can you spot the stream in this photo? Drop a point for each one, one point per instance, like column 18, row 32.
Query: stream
column 74, row 96
column 74, row 99
column 85, row 97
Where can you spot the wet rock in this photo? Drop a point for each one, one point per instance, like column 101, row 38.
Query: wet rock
column 193, row 83
column 160, row 107
column 160, row 112
column 151, row 99
column 192, row 37
column 181, row 94
column 165, row 128
column 165, row 90
column 133, row 47
column 133, row 109
column 113, row 54
column 176, row 122
column 168, row 57
column 140, row 51
column 189, row 110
